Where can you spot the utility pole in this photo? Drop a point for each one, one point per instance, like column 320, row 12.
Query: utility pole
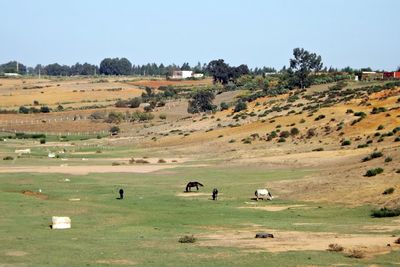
column 39, row 71
column 17, row 67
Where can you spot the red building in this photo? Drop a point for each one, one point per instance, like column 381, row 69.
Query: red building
column 391, row 75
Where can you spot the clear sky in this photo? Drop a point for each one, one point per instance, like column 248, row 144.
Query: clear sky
column 358, row 33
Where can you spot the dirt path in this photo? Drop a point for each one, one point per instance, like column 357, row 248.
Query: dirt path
column 83, row 170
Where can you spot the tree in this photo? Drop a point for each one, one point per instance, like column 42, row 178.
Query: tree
column 219, row 70
column 185, row 66
column 303, row 64
column 201, row 102
column 115, row 66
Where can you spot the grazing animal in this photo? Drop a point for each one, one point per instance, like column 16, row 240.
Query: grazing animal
column 192, row 184
column 264, row 235
column 121, row 193
column 263, row 193
column 215, row 194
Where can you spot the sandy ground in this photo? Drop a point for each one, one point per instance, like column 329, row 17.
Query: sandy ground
column 83, row 170
column 298, row 241
column 275, row 207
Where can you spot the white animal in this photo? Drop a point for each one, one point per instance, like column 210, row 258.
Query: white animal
column 263, row 194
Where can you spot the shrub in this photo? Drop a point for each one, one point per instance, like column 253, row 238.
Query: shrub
column 302, row 121
column 397, row 241
column 8, row 158
column 349, row 111
column 346, row 143
column 187, row 239
column 355, row 253
column 232, row 141
column 135, row 102
column 97, row 115
column 360, row 114
column 376, row 110
column 373, row 155
column 115, row 130
column 373, row 172
column 388, row 159
column 388, row 191
column 335, row 248
column 224, row 106
column 284, row 134
column 44, row 109
column 318, row 149
column 281, row 140
column 163, row 116
column 240, row 105
column 162, row 161
column 397, row 139
column 320, row 117
column 42, row 141
column 380, row 127
column 143, row 161
column 385, row 212
column 294, row 131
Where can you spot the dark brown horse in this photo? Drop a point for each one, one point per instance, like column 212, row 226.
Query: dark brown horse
column 192, row 184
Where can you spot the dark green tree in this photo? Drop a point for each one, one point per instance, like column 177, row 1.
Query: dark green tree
column 201, row 102
column 303, row 64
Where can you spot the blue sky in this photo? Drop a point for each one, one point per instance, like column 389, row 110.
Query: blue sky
column 358, row 33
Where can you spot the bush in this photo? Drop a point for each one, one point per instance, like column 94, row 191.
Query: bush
column 388, row 191
column 115, row 130
column 294, row 131
column 355, row 253
column 388, row 159
column 385, row 212
column 346, row 143
column 23, row 110
column 42, row 141
column 380, row 127
column 187, row 239
column 318, row 149
column 8, row 158
column 162, row 161
column 44, row 109
column 360, row 114
column 397, row 139
column 163, row 116
column 135, row 102
column 281, row 140
column 240, row 105
column 373, row 155
column 373, row 172
column 224, row 106
column 335, row 248
column 320, row 117
column 284, row 134
column 97, row 115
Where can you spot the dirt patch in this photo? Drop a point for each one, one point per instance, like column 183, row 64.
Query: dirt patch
column 382, row 228
column 192, row 194
column 16, row 253
column 297, row 241
column 119, row 262
column 274, row 207
column 83, row 170
column 34, row 194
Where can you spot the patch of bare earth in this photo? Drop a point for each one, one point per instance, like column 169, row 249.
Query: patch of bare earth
column 83, row 170
column 274, row 207
column 16, row 253
column 297, row 241
column 192, row 194
column 34, row 194
column 118, row 262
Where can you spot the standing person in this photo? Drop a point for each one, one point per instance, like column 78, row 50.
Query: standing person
column 121, row 193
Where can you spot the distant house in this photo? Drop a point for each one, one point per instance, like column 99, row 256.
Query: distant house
column 198, row 75
column 181, row 74
column 185, row 74
column 391, row 75
column 11, row 74
column 371, row 75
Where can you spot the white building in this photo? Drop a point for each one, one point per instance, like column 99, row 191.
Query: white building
column 181, row 74
column 198, row 75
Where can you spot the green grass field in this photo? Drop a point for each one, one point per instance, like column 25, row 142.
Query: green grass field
column 144, row 228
